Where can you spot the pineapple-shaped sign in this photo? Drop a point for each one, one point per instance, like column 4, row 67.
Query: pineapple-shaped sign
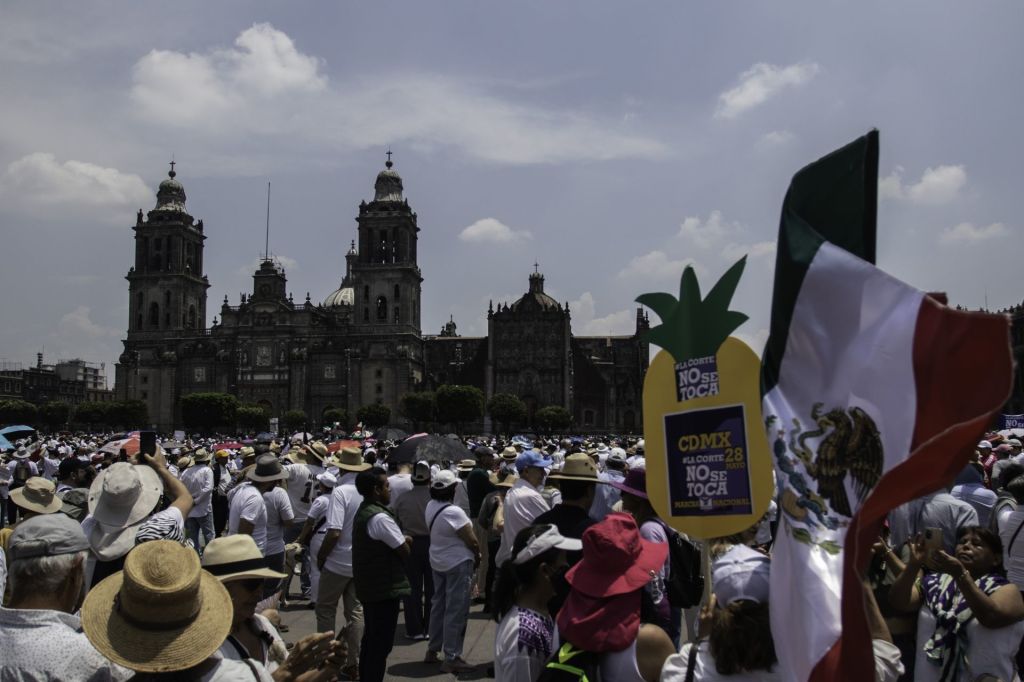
column 709, row 472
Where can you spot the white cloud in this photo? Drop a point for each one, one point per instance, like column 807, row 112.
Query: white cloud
column 761, row 82
column 708, row 232
column 39, row 184
column 77, row 324
column 657, row 265
column 264, row 86
column 756, row 341
column 775, row 138
column 937, row 186
column 584, row 323
column 755, row 251
column 967, row 233
column 492, row 230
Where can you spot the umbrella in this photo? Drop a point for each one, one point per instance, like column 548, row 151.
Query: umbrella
column 391, row 433
column 339, row 444
column 5, row 444
column 131, row 446
column 17, row 431
column 425, row 446
column 303, row 437
column 229, row 445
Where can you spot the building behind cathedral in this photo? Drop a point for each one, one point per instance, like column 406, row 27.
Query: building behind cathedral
column 364, row 342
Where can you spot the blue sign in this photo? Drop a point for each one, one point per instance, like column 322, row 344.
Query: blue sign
column 1013, row 421
column 708, row 462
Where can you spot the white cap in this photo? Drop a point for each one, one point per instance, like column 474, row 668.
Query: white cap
column 549, row 539
column 327, row 479
column 985, row 444
column 443, row 479
column 741, row 574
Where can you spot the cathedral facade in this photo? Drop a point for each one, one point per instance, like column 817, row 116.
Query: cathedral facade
column 363, row 343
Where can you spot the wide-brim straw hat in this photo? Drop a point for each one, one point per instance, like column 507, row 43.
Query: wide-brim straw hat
column 578, row 467
column 267, row 468
column 351, row 459
column 201, row 456
column 123, row 494
column 509, row 454
column 466, row 465
column 38, row 495
column 162, row 613
column 236, row 557
column 509, row 481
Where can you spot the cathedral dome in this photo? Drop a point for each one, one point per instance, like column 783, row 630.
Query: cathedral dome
column 535, row 297
column 389, row 184
column 171, row 195
column 345, row 296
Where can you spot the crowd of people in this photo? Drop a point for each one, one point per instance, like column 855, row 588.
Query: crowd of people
column 173, row 564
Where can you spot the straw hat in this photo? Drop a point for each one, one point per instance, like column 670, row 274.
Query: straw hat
column 201, row 456
column 318, row 450
column 38, row 495
column 236, row 557
column 161, row 613
column 509, row 454
column 184, row 462
column 509, row 481
column 578, row 467
column 351, row 459
column 267, row 469
column 466, row 465
column 124, row 494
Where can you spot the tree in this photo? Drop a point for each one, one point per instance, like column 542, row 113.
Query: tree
column 420, row 408
column 251, row 418
column 55, row 414
column 18, row 412
column 374, row 416
column 553, row 418
column 506, row 409
column 127, row 413
column 459, row 404
column 294, row 420
column 205, row 411
column 91, row 414
column 335, row 415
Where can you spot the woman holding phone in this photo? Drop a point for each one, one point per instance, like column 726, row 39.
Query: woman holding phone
column 970, row 618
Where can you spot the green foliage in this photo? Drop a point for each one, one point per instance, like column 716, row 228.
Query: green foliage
column 373, row 416
column 205, row 411
column 506, row 409
column 553, row 418
column 335, row 415
column 458, row 404
column 252, row 418
column 692, row 328
column 18, row 412
column 128, row 414
column 420, row 408
column 90, row 414
column 54, row 414
column 294, row 420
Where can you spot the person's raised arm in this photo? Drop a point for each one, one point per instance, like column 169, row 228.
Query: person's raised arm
column 904, row 594
column 999, row 609
column 175, row 490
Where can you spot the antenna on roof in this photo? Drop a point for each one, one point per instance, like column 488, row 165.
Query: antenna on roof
column 266, row 245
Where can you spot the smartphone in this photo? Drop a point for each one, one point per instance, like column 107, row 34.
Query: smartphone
column 147, row 442
column 932, row 540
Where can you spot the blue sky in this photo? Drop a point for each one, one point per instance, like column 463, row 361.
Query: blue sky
column 611, row 142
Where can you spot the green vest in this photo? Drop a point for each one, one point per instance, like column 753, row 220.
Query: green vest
column 378, row 570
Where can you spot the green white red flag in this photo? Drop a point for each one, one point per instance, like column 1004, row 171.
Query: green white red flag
column 873, row 394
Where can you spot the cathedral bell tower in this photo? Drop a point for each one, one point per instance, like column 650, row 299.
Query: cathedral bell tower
column 384, row 274
column 167, row 287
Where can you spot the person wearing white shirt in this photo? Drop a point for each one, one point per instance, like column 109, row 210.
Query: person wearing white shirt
column 313, row 531
column 400, row 483
column 198, row 478
column 335, row 558
column 248, row 512
column 524, row 502
column 301, row 485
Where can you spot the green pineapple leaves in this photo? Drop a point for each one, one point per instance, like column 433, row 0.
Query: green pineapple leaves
column 691, row 327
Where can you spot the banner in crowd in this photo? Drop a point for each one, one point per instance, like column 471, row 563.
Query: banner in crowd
column 1013, row 421
column 874, row 394
column 709, row 469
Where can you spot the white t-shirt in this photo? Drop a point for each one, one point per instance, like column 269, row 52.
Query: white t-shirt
column 400, row 484
column 231, row 649
column 523, row 503
column 988, row 651
column 341, row 515
column 301, row 484
column 199, row 481
column 248, row 504
column 1013, row 556
column 522, row 645
column 383, row 528
column 229, row 670
column 317, row 511
column 447, row 550
column 279, row 510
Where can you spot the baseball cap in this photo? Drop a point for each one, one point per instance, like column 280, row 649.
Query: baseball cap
column 421, row 472
column 532, row 458
column 741, row 574
column 985, row 445
column 46, row 535
column 550, row 538
column 443, row 479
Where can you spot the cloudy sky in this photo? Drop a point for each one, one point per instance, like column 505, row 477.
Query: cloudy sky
column 611, row 142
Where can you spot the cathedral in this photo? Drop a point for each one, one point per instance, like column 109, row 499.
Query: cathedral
column 364, row 343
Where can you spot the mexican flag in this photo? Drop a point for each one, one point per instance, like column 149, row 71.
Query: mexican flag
column 874, row 393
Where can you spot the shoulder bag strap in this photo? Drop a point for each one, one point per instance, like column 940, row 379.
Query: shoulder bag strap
column 1009, row 546
column 691, row 662
column 436, row 514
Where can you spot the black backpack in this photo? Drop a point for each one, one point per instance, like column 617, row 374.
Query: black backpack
column 685, row 584
column 22, row 473
column 570, row 664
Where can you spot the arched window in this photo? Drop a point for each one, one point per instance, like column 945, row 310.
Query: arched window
column 366, row 293
column 154, row 315
column 397, row 314
column 382, row 308
column 191, row 317
column 139, row 310
column 398, row 292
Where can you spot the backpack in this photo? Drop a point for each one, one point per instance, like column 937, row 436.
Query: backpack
column 685, row 583
column 22, row 473
column 570, row 664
